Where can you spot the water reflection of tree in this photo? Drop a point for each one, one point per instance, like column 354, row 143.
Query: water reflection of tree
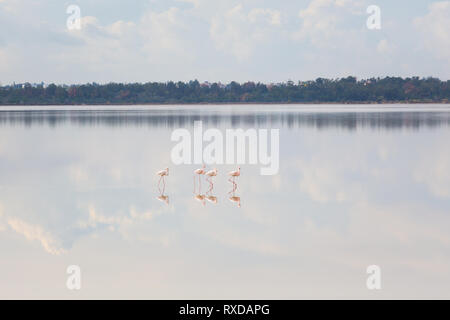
column 185, row 118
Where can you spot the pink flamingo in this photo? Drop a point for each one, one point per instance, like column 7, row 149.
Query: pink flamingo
column 199, row 172
column 201, row 198
column 236, row 200
column 162, row 174
column 233, row 175
column 164, row 198
column 212, row 199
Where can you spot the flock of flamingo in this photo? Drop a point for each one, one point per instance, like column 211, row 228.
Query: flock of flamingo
column 198, row 173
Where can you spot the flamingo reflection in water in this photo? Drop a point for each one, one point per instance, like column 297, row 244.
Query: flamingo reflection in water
column 236, row 200
column 233, row 175
column 209, row 195
column 201, row 198
column 212, row 199
column 163, row 198
column 198, row 194
column 232, row 193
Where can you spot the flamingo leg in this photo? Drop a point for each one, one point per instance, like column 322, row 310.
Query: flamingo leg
column 233, row 183
column 232, row 180
column 232, row 191
column 159, row 183
column 211, row 185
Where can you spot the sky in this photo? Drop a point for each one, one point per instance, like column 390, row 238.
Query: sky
column 221, row 40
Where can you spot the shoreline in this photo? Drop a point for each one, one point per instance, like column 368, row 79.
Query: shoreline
column 247, row 108
column 232, row 103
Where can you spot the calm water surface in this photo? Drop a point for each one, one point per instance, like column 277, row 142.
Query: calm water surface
column 357, row 185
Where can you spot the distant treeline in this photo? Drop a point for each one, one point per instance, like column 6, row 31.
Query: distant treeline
column 343, row 90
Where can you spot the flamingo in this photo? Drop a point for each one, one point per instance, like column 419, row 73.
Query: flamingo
column 199, row 172
column 210, row 174
column 236, row 173
column 201, row 198
column 233, row 175
column 212, row 199
column 162, row 174
column 236, row 200
column 164, row 198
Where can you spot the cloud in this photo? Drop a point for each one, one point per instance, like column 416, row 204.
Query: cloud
column 4, row 60
column 323, row 21
column 253, row 243
column 238, row 32
column 217, row 41
column 35, row 232
column 9, row 5
column 123, row 50
column 2, row 226
column 153, row 38
column 324, row 181
column 434, row 29
column 131, row 225
column 270, row 16
column 95, row 219
column 434, row 172
column 384, row 47
column 398, row 223
column 195, row 3
column 162, row 28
